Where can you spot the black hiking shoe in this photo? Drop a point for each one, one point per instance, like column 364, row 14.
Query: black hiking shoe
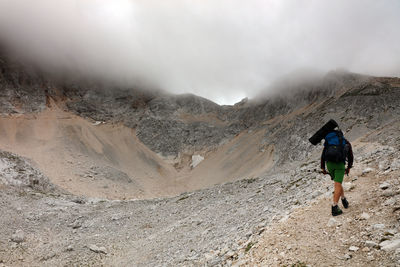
column 336, row 211
column 345, row 203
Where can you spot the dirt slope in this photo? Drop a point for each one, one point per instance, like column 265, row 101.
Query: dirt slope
column 108, row 161
column 237, row 159
column 87, row 159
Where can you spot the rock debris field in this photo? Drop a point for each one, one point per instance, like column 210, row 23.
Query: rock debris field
column 48, row 227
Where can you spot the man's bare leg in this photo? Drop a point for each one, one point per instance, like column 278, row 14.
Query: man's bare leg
column 338, row 193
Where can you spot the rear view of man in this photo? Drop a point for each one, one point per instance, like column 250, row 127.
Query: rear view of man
column 336, row 151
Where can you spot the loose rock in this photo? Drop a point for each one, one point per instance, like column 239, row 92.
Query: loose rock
column 366, row 170
column 384, row 185
column 378, row 226
column 390, row 232
column 390, row 202
column 390, row 245
column 348, row 186
column 347, row 257
column 18, row 236
column 388, row 193
column 371, row 244
column 366, row 249
column 332, row 222
column 365, row 216
column 97, row 249
column 353, row 248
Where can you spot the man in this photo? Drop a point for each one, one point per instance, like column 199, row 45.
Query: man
column 336, row 151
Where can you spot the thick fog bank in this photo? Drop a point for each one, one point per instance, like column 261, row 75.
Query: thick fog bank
column 222, row 50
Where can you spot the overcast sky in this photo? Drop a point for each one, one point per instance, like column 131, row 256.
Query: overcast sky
column 223, row 50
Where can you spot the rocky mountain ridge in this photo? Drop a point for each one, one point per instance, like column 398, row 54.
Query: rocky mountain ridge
column 170, row 124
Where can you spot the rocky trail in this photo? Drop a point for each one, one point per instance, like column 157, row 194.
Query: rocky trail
column 366, row 234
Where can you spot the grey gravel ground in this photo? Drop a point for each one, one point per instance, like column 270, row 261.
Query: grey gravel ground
column 192, row 228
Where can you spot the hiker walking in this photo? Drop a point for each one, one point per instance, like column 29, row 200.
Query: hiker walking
column 336, row 151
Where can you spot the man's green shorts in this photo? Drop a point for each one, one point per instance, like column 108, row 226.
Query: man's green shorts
column 336, row 170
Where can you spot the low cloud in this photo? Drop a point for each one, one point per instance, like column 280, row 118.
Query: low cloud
column 219, row 49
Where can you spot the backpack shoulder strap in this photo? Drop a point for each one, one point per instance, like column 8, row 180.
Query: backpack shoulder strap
column 340, row 136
